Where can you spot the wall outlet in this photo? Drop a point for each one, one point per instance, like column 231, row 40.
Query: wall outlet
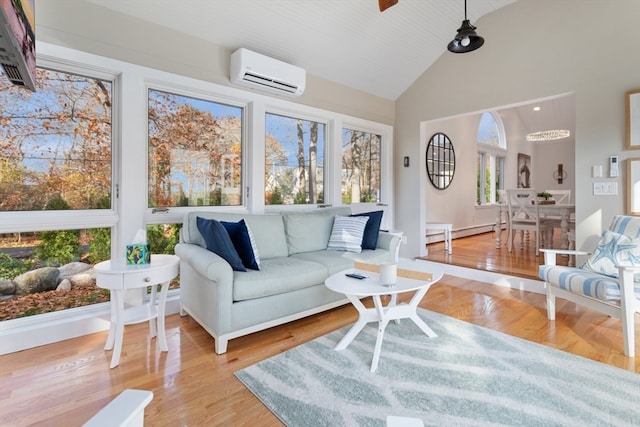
column 404, row 240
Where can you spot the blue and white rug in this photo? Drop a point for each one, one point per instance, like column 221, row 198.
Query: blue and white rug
column 467, row 376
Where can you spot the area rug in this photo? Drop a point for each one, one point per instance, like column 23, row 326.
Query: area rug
column 467, row 376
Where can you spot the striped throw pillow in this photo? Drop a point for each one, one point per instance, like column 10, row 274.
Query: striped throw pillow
column 346, row 234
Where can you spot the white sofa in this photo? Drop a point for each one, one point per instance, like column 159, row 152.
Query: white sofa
column 289, row 285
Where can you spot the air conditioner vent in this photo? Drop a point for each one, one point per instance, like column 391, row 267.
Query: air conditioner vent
column 261, row 72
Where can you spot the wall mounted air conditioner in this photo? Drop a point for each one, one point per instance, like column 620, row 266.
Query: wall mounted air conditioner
column 260, row 72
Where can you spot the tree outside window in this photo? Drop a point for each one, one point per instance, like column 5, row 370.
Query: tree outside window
column 294, row 160
column 360, row 166
column 195, row 152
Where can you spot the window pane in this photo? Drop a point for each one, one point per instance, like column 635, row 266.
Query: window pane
column 55, row 143
column 360, row 166
column 294, row 161
column 59, row 265
column 488, row 131
column 195, row 152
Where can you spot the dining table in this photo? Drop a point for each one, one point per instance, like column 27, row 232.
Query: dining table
column 563, row 211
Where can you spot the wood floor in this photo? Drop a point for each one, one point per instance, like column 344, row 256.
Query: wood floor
column 64, row 384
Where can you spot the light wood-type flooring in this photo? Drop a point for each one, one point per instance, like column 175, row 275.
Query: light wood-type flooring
column 64, row 384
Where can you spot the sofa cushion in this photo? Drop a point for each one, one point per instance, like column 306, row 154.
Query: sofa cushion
column 277, row 276
column 218, row 241
column 371, row 231
column 346, row 233
column 268, row 231
column 612, row 250
column 308, row 231
column 241, row 238
column 335, row 261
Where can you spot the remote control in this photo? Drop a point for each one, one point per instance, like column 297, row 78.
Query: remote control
column 356, row 276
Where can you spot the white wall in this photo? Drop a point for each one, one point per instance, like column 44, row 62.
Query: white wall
column 533, row 49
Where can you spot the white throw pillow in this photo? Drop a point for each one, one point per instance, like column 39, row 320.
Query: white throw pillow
column 613, row 249
column 253, row 245
column 346, row 234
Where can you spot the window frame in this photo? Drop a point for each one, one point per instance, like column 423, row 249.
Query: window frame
column 174, row 214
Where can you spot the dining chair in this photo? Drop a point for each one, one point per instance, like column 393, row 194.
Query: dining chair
column 561, row 197
column 524, row 216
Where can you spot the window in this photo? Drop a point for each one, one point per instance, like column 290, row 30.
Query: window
column 195, row 152
column 56, row 164
column 294, row 160
column 492, row 149
column 360, row 166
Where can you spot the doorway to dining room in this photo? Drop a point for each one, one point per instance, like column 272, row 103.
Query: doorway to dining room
column 551, row 163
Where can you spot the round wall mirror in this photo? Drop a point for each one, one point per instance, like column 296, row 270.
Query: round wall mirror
column 441, row 161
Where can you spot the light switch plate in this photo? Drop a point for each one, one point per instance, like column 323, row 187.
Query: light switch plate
column 605, row 188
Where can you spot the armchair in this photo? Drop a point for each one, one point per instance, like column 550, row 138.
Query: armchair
column 605, row 283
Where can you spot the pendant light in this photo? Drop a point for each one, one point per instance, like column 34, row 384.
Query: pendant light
column 466, row 40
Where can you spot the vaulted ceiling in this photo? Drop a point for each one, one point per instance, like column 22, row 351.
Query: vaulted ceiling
column 345, row 41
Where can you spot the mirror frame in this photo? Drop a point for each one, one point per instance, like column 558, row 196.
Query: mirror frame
column 633, row 119
column 440, row 160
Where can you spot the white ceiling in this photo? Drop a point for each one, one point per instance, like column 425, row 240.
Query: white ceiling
column 345, row 41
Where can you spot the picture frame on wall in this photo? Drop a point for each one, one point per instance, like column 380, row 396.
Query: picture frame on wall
column 633, row 119
column 524, row 170
column 633, row 186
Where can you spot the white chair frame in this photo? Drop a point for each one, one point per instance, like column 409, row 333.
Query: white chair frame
column 629, row 305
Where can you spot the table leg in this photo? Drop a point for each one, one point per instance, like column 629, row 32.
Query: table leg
column 564, row 227
column 153, row 330
column 365, row 316
column 119, row 327
column 162, row 304
column 112, row 321
column 499, row 228
column 382, row 325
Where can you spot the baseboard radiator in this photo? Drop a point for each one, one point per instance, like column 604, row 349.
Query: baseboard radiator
column 435, row 236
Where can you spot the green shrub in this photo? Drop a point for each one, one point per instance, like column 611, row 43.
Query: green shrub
column 11, row 267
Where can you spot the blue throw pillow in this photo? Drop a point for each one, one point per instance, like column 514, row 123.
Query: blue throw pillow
column 241, row 238
column 370, row 237
column 218, row 241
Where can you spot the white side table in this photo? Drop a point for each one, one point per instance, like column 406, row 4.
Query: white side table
column 118, row 278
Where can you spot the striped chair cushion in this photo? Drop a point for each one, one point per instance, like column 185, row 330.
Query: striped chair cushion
column 583, row 282
column 624, row 224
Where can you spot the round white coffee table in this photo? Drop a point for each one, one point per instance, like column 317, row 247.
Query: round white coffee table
column 118, row 278
column 355, row 289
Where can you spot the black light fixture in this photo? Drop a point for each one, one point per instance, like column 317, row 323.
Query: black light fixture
column 466, row 40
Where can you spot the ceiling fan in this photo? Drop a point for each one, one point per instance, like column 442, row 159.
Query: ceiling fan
column 385, row 4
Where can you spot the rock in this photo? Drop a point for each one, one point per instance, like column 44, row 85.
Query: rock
column 85, row 279
column 7, row 287
column 64, row 286
column 73, row 268
column 41, row 279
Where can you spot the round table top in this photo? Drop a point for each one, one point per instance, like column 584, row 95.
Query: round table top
column 371, row 286
column 118, row 266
